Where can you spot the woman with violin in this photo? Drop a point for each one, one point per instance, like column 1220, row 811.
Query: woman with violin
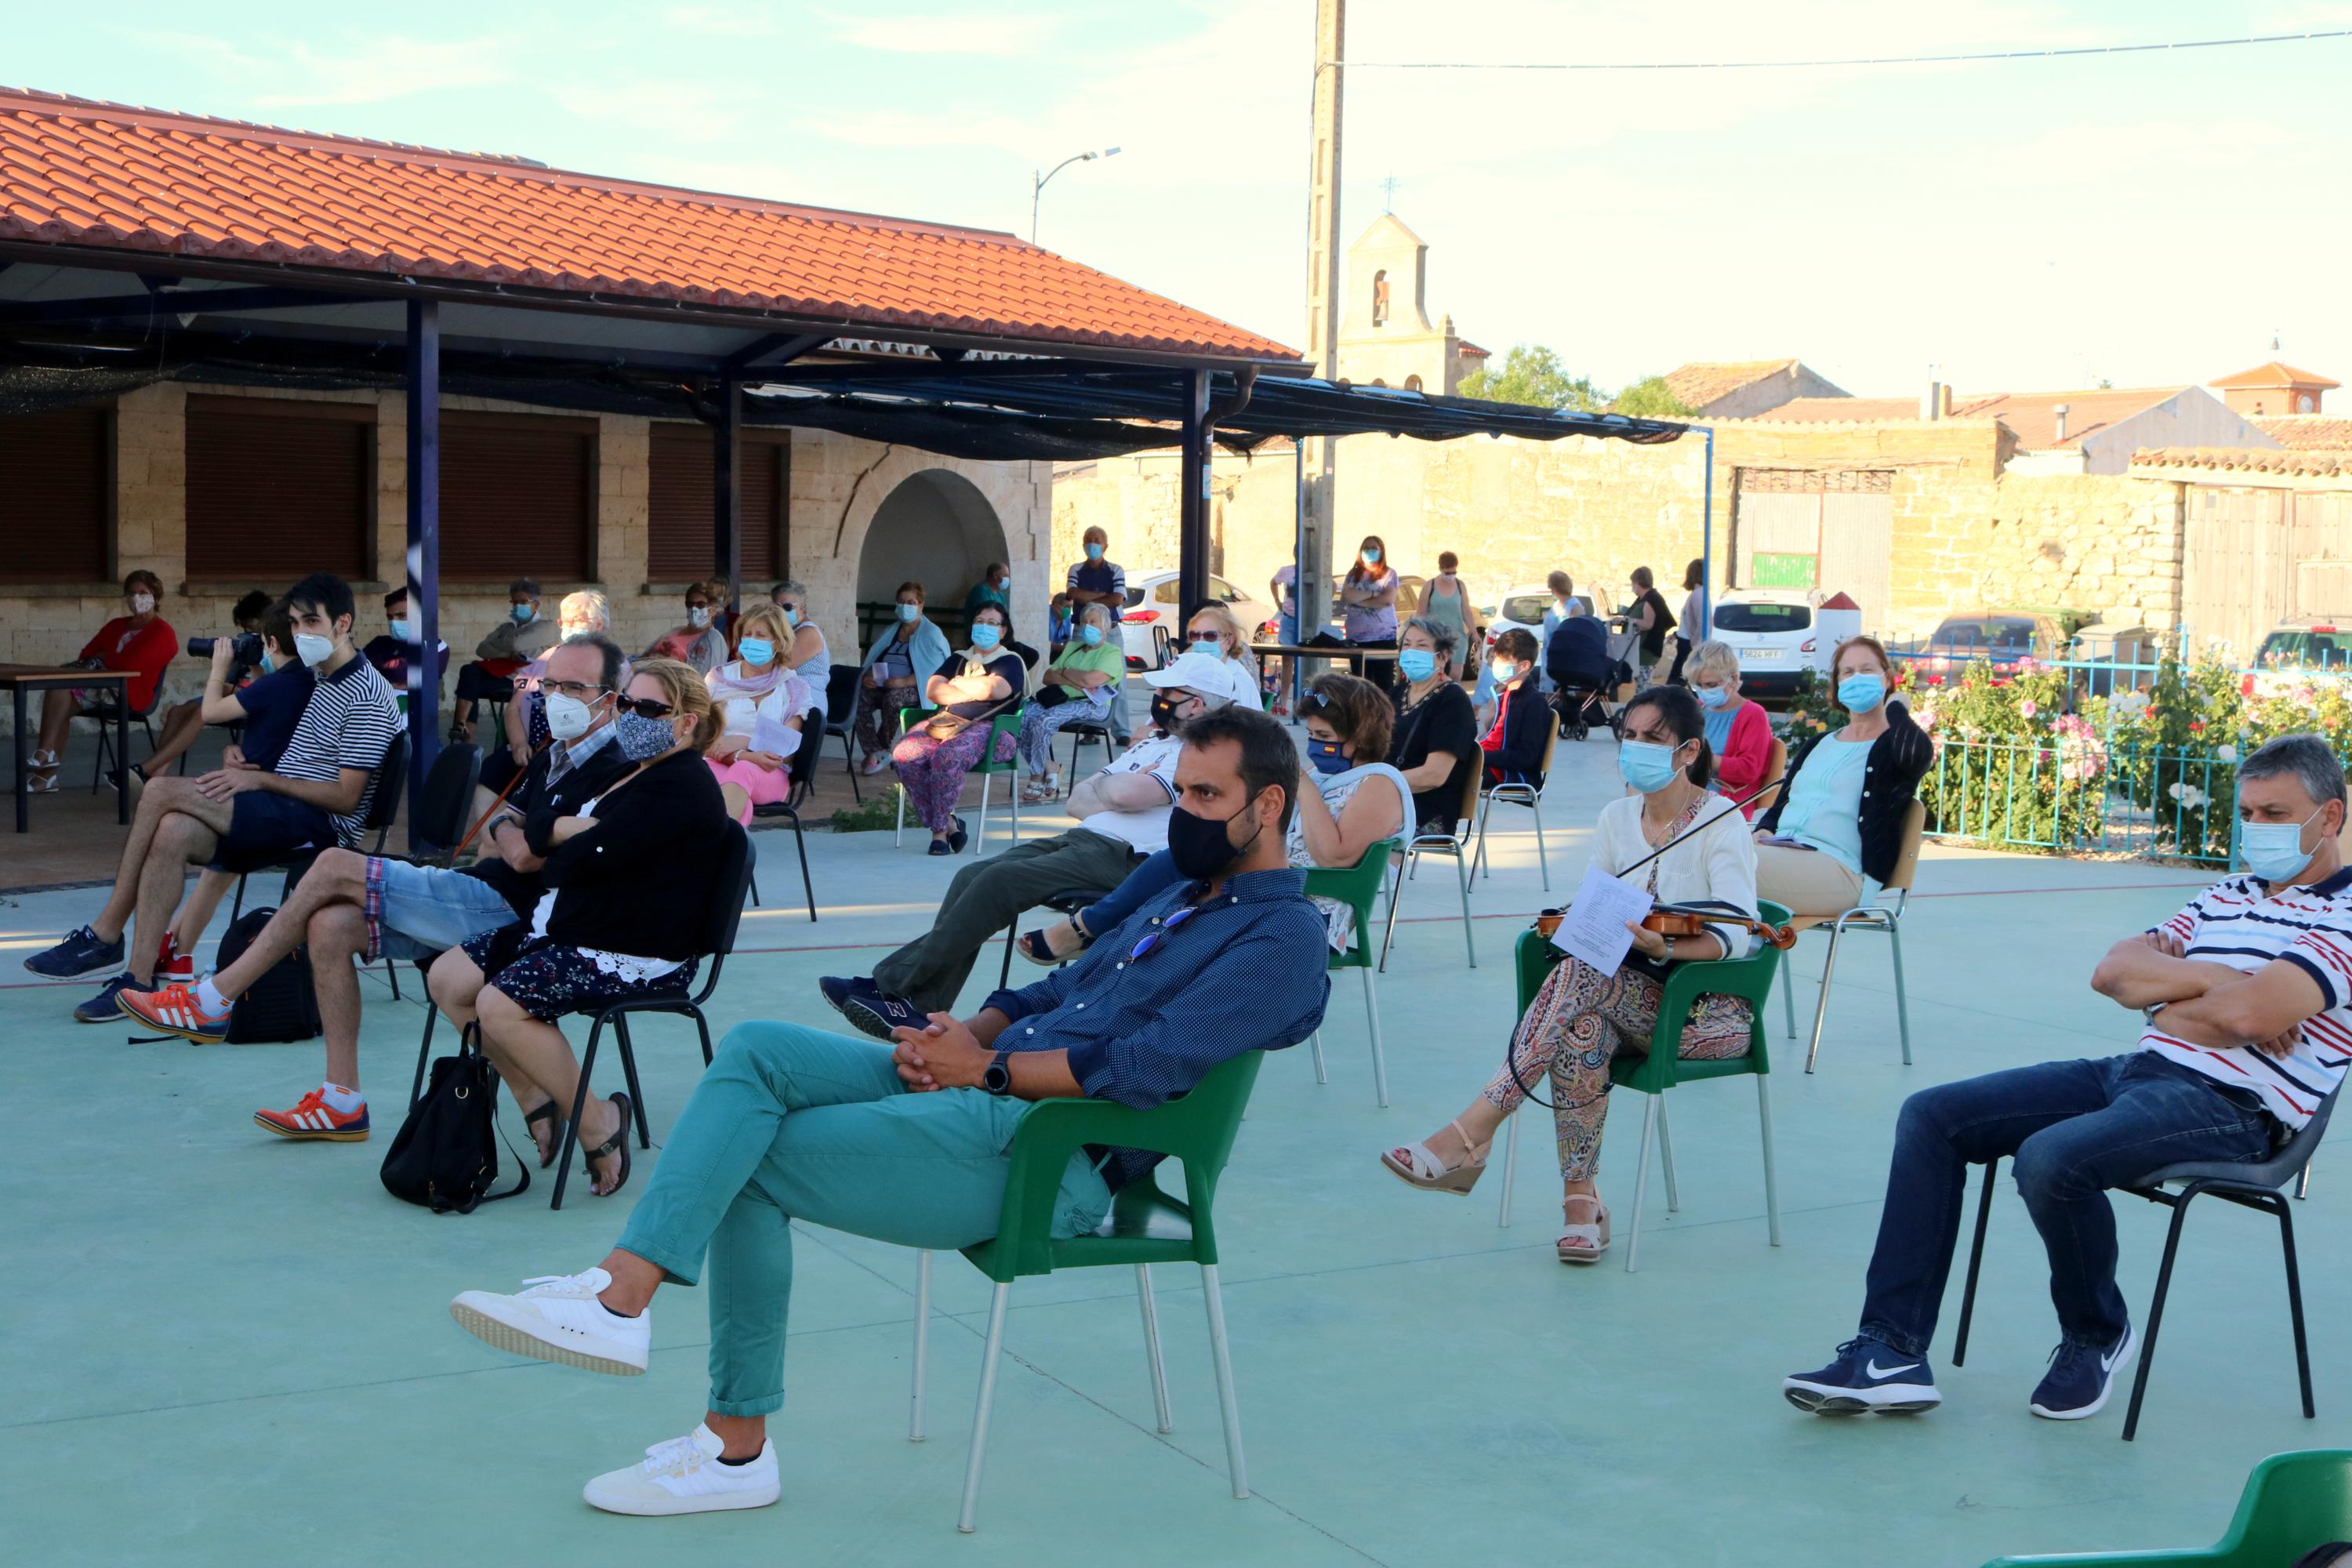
column 1690, row 849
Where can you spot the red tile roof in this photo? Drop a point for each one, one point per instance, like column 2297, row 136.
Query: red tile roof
column 2033, row 416
column 2275, row 374
column 2304, row 430
column 2245, row 459
column 1839, row 410
column 79, row 173
column 1701, row 382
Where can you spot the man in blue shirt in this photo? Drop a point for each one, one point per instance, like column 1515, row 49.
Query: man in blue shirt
column 907, row 1143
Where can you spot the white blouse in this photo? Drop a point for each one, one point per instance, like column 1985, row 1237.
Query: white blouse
column 1712, row 861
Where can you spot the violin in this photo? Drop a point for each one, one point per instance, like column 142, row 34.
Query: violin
column 1674, row 920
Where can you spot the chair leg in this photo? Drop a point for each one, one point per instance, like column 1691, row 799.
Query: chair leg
column 1789, row 994
column 1510, row 1168
column 1469, row 942
column 1771, row 1167
column 424, row 1051
column 1372, row 1014
column 1218, row 1349
column 966, row 1521
column 579, row 1103
column 1821, row 1008
column 2303, row 1184
column 1667, row 1159
column 755, row 889
column 1013, row 805
column 899, row 834
column 2155, row 1308
column 1315, row 1045
column 1535, row 804
column 1485, row 810
column 1641, row 1183
column 1396, row 897
column 1902, row 1001
column 1151, row 1344
column 629, row 1071
column 702, row 1027
column 922, row 1344
column 236, row 906
column 980, row 836
column 1976, row 1261
column 391, row 974
column 2295, row 1304
column 849, row 766
column 800, row 843
column 1004, row 970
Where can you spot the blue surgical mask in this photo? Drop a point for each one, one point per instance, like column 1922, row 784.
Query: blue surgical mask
column 267, row 664
column 1371, row 557
column 1861, row 692
column 986, row 635
column 756, row 650
column 2273, row 850
column 1504, row 671
column 521, row 613
column 1418, row 663
column 400, row 628
column 1209, row 642
column 1327, row 758
column 1646, row 766
column 1711, row 696
column 1094, row 551
column 910, row 612
column 641, row 738
column 792, row 616
column 1090, row 636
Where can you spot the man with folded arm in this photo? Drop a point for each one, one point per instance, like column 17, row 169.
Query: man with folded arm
column 2248, row 997
column 908, row 1142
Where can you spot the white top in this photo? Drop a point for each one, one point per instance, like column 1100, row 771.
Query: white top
column 786, row 697
column 1713, row 861
column 1690, row 631
column 1147, row 830
column 1338, row 920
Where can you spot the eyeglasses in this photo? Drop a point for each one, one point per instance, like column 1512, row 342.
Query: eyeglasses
column 1322, row 699
column 644, row 706
column 1153, row 937
column 579, row 690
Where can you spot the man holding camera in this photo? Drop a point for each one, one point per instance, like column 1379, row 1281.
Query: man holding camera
column 246, row 818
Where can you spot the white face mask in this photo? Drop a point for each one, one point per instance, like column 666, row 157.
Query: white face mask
column 698, row 616
column 314, row 651
column 568, row 718
column 141, row 602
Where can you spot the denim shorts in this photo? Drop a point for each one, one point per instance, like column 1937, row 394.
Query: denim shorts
column 417, row 912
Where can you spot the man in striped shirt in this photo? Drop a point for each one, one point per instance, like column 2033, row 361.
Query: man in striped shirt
column 2248, row 995
column 244, row 818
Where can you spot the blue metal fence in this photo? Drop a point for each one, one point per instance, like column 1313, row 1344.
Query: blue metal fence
column 2048, row 796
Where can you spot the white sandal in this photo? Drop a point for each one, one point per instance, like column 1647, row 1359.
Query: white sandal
column 1583, row 1243
column 1414, row 1166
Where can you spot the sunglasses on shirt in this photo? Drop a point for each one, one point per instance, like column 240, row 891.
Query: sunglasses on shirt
column 1152, row 938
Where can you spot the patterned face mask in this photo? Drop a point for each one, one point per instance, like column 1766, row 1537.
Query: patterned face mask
column 642, row 739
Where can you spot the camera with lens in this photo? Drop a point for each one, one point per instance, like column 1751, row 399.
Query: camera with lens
column 244, row 648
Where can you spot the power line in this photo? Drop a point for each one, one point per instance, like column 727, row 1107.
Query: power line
column 1860, row 60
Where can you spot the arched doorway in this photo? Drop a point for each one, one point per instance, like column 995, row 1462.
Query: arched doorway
column 935, row 529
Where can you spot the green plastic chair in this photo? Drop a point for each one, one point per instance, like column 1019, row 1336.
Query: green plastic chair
column 1661, row 1070
column 1145, row 1227
column 1006, row 724
column 1357, row 886
column 2291, row 1503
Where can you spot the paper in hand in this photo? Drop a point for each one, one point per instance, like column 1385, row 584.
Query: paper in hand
column 1594, row 928
column 767, row 735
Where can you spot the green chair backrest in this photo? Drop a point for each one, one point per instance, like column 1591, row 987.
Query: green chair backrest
column 1198, row 1128
column 1006, row 724
column 1662, row 1068
column 1355, row 886
column 2291, row 1503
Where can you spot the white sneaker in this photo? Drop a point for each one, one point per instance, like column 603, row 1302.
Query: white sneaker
column 559, row 1319
column 684, row 1476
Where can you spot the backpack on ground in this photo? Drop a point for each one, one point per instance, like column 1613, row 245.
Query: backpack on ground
column 281, row 1006
column 445, row 1155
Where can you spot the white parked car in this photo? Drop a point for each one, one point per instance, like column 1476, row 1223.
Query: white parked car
column 1524, row 609
column 1777, row 636
column 1152, row 610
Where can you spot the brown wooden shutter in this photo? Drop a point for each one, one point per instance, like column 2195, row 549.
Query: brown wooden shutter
column 679, row 548
column 517, row 496
column 279, row 488
column 57, row 483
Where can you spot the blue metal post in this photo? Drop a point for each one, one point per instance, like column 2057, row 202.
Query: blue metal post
column 727, row 490
column 423, row 379
column 1192, row 532
column 1707, row 546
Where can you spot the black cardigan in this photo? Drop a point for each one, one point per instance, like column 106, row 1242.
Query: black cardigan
column 1528, row 721
column 1898, row 759
column 641, row 880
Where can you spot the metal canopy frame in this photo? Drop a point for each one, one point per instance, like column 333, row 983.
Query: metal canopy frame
column 972, row 393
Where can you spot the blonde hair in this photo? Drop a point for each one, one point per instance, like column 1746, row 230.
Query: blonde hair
column 1713, row 657
column 589, row 604
column 683, row 689
column 769, row 617
column 1228, row 627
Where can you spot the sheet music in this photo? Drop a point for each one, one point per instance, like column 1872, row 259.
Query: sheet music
column 1594, row 928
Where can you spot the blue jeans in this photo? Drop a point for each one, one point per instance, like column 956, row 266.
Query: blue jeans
column 1107, row 914
column 421, row 911
column 2075, row 1129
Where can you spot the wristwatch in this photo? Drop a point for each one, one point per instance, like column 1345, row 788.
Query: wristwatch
column 997, row 1077
column 1668, row 956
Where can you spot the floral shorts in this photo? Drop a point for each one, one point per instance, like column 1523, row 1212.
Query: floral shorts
column 547, row 979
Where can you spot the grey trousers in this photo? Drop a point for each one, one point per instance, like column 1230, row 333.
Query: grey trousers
column 988, row 895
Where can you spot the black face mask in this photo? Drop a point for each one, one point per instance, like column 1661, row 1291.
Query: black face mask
column 1164, row 713
column 1200, row 845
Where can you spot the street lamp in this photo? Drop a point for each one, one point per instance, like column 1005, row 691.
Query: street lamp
column 1037, row 181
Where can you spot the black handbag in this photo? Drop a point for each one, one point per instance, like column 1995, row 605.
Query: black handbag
column 1052, row 696
column 445, row 1155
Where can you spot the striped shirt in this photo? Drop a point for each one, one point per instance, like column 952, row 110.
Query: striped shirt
column 350, row 723
column 2241, row 922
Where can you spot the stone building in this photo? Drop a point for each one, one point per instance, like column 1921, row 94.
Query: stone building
column 1746, row 389
column 1385, row 335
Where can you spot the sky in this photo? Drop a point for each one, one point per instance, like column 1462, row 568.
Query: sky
column 2038, row 225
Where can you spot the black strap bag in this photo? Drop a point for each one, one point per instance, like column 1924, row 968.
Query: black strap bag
column 445, row 1155
column 281, row 1006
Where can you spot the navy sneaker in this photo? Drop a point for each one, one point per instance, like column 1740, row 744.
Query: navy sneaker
column 1869, row 1377
column 2080, row 1378
column 869, row 1008
column 107, row 1006
column 80, row 954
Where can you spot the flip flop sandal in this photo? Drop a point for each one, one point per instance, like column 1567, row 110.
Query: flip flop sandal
column 618, row 1143
column 555, row 1137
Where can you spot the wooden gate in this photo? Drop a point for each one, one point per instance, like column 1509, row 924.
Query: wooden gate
column 2323, row 556
column 1807, row 528
column 2238, row 566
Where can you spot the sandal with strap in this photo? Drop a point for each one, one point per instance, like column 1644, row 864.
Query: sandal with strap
column 1414, row 1166
column 1583, row 1243
column 554, row 1145
column 618, row 1143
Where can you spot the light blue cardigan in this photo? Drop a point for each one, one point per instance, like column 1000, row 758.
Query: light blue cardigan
column 929, row 649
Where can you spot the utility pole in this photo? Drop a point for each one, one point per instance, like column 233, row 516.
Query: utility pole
column 1321, row 453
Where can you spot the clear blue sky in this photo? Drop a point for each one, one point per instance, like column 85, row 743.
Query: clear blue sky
column 2041, row 223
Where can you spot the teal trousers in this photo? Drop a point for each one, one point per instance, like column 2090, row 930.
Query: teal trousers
column 792, row 1124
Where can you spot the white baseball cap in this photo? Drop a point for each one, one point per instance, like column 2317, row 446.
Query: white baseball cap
column 1220, row 680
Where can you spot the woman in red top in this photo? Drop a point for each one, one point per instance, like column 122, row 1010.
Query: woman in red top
column 141, row 642
column 1737, row 731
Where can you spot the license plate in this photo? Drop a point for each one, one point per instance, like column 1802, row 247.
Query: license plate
column 1762, row 655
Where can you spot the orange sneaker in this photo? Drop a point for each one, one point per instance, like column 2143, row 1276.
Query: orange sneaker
column 175, row 1010
column 312, row 1119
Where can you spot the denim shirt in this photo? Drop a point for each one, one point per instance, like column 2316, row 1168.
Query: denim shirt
column 1245, row 972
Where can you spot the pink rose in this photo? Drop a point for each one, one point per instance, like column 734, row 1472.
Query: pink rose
column 2027, row 709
